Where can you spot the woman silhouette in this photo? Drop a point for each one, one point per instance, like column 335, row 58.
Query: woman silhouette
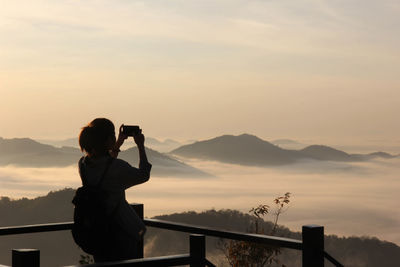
column 100, row 163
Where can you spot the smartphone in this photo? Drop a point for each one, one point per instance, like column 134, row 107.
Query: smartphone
column 131, row 130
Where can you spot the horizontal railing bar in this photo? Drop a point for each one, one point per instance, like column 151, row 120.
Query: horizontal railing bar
column 175, row 260
column 270, row 240
column 256, row 238
column 210, row 264
column 36, row 228
column 332, row 260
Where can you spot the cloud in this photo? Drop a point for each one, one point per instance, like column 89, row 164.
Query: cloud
column 307, row 37
column 275, row 67
column 31, row 182
column 263, row 24
column 358, row 201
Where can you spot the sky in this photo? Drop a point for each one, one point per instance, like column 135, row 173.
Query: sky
column 316, row 70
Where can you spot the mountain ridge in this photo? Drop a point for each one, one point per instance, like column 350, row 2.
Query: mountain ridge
column 154, row 143
column 26, row 152
column 247, row 149
column 244, row 149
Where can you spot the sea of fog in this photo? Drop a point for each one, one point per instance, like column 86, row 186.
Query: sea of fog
column 349, row 199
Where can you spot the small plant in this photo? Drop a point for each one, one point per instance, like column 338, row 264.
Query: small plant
column 247, row 254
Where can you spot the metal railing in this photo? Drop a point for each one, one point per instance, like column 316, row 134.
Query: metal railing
column 311, row 245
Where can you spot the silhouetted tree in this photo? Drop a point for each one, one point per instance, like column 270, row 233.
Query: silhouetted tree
column 247, row 254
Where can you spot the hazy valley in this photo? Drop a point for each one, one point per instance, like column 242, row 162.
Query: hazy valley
column 350, row 194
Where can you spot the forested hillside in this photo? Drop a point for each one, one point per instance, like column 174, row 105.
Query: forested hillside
column 58, row 248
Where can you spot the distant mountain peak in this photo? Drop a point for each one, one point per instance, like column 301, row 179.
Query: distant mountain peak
column 242, row 137
column 247, row 149
column 243, row 149
column 322, row 148
column 23, row 143
column 249, row 136
column 381, row 154
column 322, row 152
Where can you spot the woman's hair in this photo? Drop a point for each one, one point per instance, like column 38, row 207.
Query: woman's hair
column 94, row 137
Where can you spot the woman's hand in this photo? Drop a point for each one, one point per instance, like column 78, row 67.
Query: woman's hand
column 121, row 138
column 139, row 140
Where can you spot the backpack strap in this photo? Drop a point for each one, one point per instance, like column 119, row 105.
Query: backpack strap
column 83, row 176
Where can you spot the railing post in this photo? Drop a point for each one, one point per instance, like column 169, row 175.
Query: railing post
column 313, row 246
column 25, row 258
column 140, row 212
column 197, row 250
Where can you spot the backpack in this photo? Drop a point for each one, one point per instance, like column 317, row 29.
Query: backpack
column 92, row 225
